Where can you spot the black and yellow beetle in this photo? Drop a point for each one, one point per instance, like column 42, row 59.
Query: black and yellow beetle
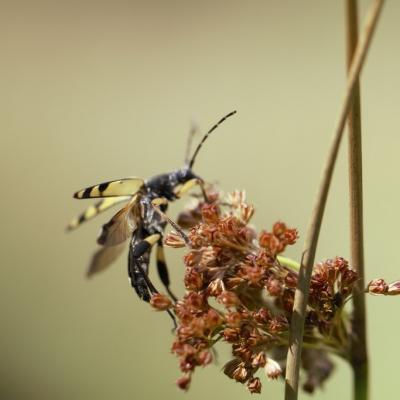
column 139, row 219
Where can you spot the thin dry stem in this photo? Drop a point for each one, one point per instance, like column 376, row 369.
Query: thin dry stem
column 302, row 291
column 359, row 355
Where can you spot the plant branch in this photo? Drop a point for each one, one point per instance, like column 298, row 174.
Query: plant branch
column 301, row 296
column 358, row 350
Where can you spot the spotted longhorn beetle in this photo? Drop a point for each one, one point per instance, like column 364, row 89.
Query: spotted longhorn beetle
column 142, row 219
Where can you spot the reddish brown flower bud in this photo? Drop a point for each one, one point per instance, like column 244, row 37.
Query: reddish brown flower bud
column 394, row 288
column 233, row 282
column 183, row 349
column 210, row 213
column 291, row 280
column 183, row 313
column 278, row 324
column 160, row 302
column 234, row 319
column 174, row 240
column 279, row 229
column 291, row 236
column 187, row 364
column 193, row 279
column 191, row 258
column 377, row 286
column 348, row 278
column 259, row 360
column 274, row 287
column 194, row 300
column 231, row 335
column 253, row 273
column 205, row 358
column 228, row 299
column 261, row 316
column 240, row 374
column 243, row 352
column 212, row 319
column 215, row 288
column 183, row 382
column 269, row 242
column 185, row 332
column 340, row 263
column 254, row 385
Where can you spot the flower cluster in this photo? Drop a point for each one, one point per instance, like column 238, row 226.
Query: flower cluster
column 240, row 290
column 379, row 286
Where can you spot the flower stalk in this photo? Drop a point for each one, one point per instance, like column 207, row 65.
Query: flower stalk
column 310, row 246
column 358, row 349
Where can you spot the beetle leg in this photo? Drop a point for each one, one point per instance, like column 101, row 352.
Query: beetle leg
column 189, row 185
column 181, row 190
column 145, row 245
column 163, row 270
column 156, row 204
column 138, row 264
column 137, row 270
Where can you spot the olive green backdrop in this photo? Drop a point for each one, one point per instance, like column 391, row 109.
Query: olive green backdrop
column 92, row 91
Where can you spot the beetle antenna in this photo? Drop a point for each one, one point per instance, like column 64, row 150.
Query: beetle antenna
column 206, row 136
column 193, row 130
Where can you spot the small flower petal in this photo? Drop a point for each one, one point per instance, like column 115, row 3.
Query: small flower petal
column 272, row 369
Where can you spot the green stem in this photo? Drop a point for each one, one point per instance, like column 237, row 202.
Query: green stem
column 360, row 377
column 288, row 262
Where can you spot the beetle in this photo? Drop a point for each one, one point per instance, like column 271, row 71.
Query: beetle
column 142, row 219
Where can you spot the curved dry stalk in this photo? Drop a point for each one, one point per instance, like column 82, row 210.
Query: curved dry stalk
column 301, row 296
column 359, row 354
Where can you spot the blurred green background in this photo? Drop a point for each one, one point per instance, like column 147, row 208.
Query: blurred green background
column 93, row 91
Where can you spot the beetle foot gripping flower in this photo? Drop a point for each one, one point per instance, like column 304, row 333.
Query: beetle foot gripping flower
column 240, row 291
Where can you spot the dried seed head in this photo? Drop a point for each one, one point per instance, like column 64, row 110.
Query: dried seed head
column 262, row 316
column 160, row 302
column 240, row 374
column 205, row 358
column 212, row 319
column 215, row 288
column 254, row 385
column 174, row 240
column 210, row 213
column 231, row 335
column 259, row 360
column 234, row 319
column 183, row 382
column 228, row 299
column 193, row 279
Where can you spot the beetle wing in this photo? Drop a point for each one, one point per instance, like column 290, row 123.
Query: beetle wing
column 103, row 258
column 121, row 225
column 120, row 187
column 95, row 209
